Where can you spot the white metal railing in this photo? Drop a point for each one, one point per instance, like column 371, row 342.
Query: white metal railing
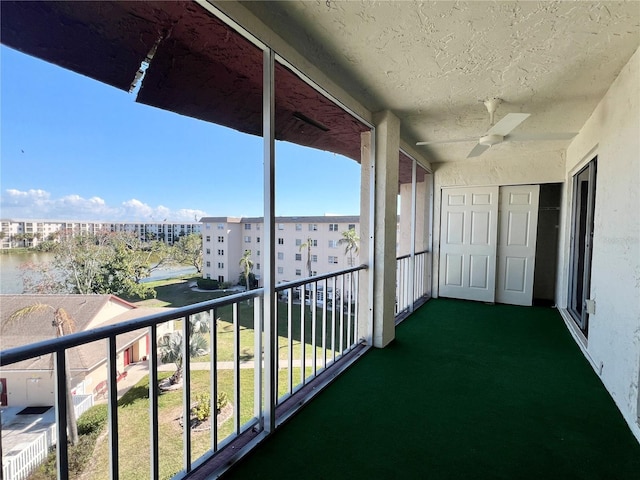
column 321, row 326
column 412, row 282
column 314, row 330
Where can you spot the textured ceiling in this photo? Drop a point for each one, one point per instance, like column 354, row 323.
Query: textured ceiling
column 431, row 63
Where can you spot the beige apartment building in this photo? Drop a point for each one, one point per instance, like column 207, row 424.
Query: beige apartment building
column 225, row 239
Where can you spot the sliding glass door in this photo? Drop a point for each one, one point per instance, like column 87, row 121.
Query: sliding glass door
column 584, row 191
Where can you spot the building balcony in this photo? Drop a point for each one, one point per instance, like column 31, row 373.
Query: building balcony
column 466, row 390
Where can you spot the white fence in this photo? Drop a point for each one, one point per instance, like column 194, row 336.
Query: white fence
column 18, row 464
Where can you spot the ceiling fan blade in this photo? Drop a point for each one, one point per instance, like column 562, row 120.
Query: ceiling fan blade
column 455, row 140
column 508, row 123
column 477, row 150
column 521, row 137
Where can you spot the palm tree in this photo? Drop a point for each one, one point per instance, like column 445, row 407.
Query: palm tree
column 247, row 265
column 170, row 346
column 63, row 324
column 351, row 241
column 308, row 244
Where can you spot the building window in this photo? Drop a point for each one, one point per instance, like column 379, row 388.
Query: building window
column 333, row 244
column 220, row 265
column 208, row 264
column 221, row 226
column 247, row 226
column 247, row 239
column 257, row 239
column 298, row 272
column 314, row 243
column 298, row 242
column 208, row 276
column 220, row 239
column 280, row 241
column 208, row 226
column 298, row 227
column 280, row 256
column 208, row 251
column 333, row 259
column 298, row 257
column 220, row 252
column 258, row 253
column 221, row 278
column 208, row 238
column 280, row 270
column 257, row 266
column 281, row 226
column 352, row 226
column 333, row 227
column 314, row 258
column 314, row 273
column 313, row 227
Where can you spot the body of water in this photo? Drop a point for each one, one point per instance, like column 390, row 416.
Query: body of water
column 11, row 275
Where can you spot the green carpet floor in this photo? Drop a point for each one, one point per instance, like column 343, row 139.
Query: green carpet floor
column 466, row 391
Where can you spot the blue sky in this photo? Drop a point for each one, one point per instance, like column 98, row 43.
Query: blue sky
column 73, row 148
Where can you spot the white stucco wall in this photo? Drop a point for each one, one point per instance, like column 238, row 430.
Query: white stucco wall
column 613, row 134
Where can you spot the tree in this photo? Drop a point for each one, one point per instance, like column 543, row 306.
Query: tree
column 63, row 324
column 81, row 260
column 170, row 346
column 247, row 265
column 308, row 244
column 242, row 281
column 104, row 262
column 188, row 249
column 351, row 241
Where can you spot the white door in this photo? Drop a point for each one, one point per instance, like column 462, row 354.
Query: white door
column 468, row 234
column 518, row 225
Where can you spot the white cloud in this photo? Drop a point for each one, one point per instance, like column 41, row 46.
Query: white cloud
column 38, row 204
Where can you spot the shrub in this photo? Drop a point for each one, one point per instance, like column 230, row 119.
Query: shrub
column 89, row 426
column 223, row 399
column 203, row 408
column 208, row 284
column 92, row 420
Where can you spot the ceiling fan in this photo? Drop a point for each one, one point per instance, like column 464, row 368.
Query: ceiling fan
column 501, row 131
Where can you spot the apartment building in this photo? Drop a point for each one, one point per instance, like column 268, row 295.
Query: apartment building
column 21, row 233
column 299, row 241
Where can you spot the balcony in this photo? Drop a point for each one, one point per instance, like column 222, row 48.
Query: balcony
column 319, row 332
column 465, row 388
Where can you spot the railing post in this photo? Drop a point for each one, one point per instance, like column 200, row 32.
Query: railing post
column 186, row 393
column 153, row 401
column 113, row 408
column 62, row 453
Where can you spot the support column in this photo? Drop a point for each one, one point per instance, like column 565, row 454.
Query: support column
column 381, row 246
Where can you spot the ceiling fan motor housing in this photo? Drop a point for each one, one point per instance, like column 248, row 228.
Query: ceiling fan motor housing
column 491, row 140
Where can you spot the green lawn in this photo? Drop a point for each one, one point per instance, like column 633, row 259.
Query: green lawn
column 133, row 426
column 176, row 293
column 133, row 411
